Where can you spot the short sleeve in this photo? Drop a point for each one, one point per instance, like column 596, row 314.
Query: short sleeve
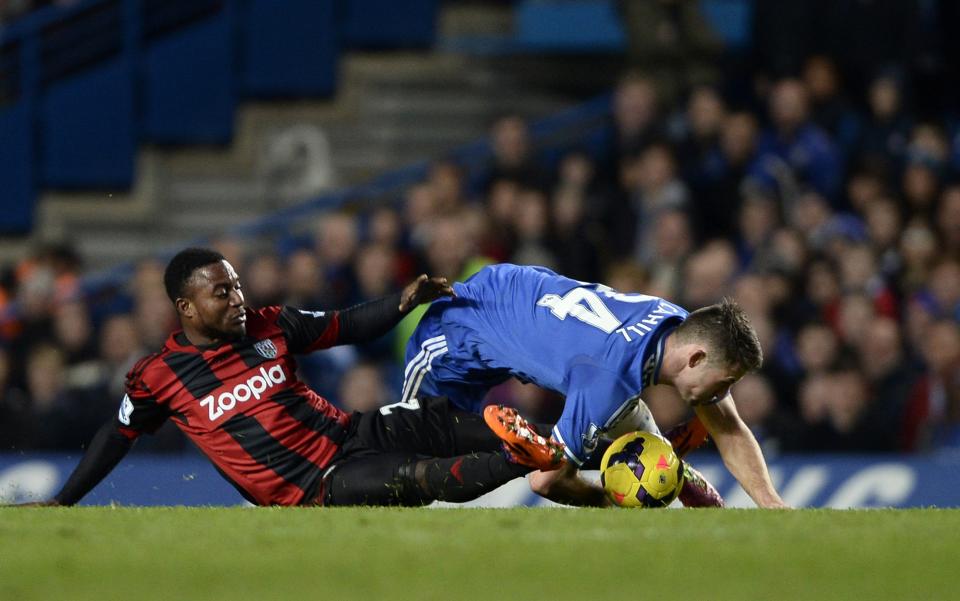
column 596, row 399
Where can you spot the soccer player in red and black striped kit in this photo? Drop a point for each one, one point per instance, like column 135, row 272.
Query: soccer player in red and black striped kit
column 228, row 380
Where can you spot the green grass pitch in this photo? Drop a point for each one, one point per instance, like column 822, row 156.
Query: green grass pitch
column 257, row 554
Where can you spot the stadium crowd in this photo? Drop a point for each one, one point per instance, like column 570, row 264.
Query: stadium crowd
column 831, row 212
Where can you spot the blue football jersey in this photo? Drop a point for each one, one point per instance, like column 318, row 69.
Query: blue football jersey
column 596, row 346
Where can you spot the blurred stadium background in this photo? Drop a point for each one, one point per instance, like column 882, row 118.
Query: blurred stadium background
column 802, row 157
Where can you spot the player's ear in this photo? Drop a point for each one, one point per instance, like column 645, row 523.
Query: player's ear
column 697, row 357
column 185, row 307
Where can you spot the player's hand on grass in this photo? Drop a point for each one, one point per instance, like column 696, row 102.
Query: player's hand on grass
column 424, row 290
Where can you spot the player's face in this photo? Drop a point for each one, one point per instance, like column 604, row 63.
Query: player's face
column 216, row 302
column 701, row 381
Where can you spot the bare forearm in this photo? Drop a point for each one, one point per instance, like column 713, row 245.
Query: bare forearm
column 567, row 487
column 742, row 456
column 578, row 492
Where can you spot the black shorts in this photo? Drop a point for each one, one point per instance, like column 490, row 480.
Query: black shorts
column 372, row 464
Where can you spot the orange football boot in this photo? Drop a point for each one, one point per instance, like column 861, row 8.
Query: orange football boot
column 521, row 442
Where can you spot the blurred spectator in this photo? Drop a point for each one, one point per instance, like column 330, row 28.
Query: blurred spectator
column 446, row 180
column 577, row 236
column 76, row 340
column 890, row 374
column 13, row 406
column 933, row 412
column 948, row 220
column 232, row 250
column 362, row 389
column 919, row 250
column 156, row 317
column 263, row 283
column 629, row 276
column 635, row 125
column 654, row 188
column 921, row 185
column 865, row 184
column 531, row 224
column 304, row 281
column 420, row 207
column 672, row 245
column 943, row 288
column 708, row 274
column 337, row 238
column 795, row 148
column 885, row 134
column 810, row 214
column 822, row 289
column 818, row 348
column 120, row 348
column 513, row 157
column 758, row 220
column 860, row 273
column 831, row 110
column 385, row 227
column 74, row 333
column 750, row 291
column 755, row 402
column 884, row 225
column 56, row 417
column 716, row 193
column 375, row 272
column 856, row 312
column 701, row 126
column 498, row 239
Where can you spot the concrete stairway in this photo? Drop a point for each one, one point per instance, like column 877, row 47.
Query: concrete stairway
column 391, row 109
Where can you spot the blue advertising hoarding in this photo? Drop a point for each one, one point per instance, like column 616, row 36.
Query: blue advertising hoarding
column 837, row 481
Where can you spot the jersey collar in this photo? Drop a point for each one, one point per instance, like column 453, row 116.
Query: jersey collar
column 178, row 341
column 652, row 364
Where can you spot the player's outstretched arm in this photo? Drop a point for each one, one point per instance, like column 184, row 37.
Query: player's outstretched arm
column 565, row 486
column 105, row 451
column 740, row 451
column 370, row 320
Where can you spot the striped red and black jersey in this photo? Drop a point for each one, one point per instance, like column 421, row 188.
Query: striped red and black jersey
column 241, row 403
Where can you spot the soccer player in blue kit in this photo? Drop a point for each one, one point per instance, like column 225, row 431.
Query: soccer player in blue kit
column 599, row 348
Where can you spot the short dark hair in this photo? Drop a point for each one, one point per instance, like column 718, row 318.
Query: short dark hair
column 726, row 330
column 181, row 268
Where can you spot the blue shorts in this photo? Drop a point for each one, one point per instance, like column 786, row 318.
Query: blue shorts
column 445, row 358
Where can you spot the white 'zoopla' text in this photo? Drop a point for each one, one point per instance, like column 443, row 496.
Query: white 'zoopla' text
column 241, row 393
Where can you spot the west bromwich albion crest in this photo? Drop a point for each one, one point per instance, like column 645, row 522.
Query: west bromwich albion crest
column 266, row 348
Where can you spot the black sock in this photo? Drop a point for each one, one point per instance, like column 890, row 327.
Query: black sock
column 464, row 478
